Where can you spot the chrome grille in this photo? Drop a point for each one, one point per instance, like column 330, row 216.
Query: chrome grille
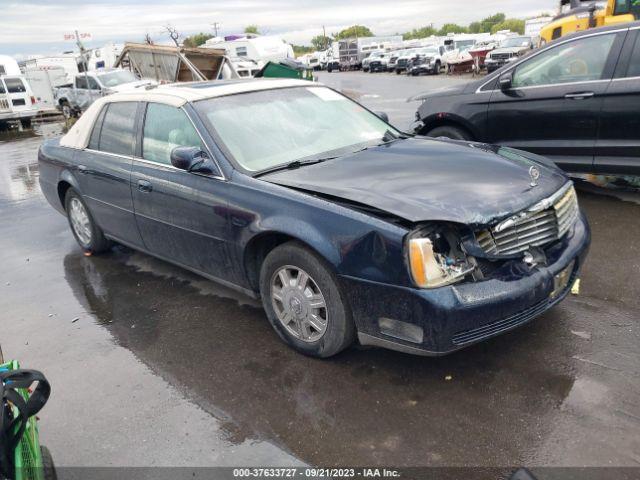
column 501, row 56
column 532, row 228
column 4, row 104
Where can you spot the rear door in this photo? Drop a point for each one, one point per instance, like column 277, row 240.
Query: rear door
column 104, row 171
column 19, row 94
column 182, row 216
column 87, row 90
column 618, row 144
column 554, row 104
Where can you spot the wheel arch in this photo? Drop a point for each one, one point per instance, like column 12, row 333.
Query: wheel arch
column 260, row 245
column 448, row 120
column 65, row 182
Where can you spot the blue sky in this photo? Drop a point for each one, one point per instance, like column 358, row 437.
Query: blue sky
column 31, row 27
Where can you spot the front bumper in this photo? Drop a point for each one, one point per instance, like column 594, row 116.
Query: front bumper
column 456, row 316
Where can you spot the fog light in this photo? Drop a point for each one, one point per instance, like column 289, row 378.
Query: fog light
column 401, row 330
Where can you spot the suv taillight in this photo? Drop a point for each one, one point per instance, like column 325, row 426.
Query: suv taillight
column 33, row 100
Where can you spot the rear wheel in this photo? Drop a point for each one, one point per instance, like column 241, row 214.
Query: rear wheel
column 47, row 464
column 87, row 233
column 449, row 131
column 303, row 302
column 436, row 69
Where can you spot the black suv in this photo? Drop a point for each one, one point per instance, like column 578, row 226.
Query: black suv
column 577, row 101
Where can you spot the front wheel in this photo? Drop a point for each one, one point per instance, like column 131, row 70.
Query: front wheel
column 87, row 233
column 303, row 302
column 448, row 131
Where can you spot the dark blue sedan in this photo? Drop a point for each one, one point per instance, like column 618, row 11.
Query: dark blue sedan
column 345, row 227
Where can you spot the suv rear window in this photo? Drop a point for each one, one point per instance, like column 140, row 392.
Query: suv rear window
column 15, row 85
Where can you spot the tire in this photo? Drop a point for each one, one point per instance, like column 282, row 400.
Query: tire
column 85, row 230
column 47, row 464
column 25, row 123
column 67, row 111
column 436, row 70
column 448, row 131
column 334, row 316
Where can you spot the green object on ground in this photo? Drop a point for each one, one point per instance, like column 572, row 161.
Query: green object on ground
column 278, row 70
column 28, row 456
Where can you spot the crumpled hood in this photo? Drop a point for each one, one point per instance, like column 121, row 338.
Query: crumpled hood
column 421, row 179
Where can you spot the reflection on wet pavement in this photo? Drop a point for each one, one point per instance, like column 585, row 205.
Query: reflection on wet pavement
column 563, row 390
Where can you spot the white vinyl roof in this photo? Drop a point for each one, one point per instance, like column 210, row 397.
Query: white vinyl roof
column 176, row 95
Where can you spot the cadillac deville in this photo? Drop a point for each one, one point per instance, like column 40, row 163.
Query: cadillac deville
column 346, row 228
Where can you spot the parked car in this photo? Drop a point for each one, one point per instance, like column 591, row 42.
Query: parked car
column 394, row 56
column 574, row 100
column 89, row 86
column 344, row 226
column 511, row 49
column 17, row 101
column 426, row 60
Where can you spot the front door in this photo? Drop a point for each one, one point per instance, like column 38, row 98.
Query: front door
column 553, row 105
column 104, row 171
column 182, row 216
column 618, row 145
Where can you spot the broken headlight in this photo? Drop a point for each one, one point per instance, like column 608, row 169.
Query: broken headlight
column 436, row 258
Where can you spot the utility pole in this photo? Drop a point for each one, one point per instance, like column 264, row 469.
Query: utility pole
column 215, row 26
column 324, row 37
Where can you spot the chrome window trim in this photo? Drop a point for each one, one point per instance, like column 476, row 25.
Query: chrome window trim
column 619, row 79
column 118, row 155
column 172, row 168
column 548, row 47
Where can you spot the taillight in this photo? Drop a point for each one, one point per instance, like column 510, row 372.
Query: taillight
column 33, row 100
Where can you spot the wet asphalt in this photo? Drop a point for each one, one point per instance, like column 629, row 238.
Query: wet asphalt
column 151, row 365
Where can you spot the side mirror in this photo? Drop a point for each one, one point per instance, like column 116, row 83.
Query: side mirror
column 383, row 116
column 505, row 81
column 192, row 159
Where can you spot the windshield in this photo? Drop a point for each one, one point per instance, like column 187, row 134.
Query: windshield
column 516, row 42
column 113, row 79
column 262, row 130
column 465, row 44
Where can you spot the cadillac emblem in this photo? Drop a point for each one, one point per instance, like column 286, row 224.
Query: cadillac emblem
column 534, row 173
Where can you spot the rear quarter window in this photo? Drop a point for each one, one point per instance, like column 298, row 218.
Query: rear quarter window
column 116, row 134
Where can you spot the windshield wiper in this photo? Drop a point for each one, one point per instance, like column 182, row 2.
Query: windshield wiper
column 291, row 165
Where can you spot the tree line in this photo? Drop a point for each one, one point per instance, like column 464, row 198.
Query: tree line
column 492, row 24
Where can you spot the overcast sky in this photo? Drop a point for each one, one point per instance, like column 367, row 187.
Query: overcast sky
column 30, row 27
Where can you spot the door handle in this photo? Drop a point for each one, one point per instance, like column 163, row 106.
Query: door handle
column 82, row 169
column 579, row 95
column 145, row 186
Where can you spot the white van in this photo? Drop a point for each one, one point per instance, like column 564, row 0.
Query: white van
column 17, row 101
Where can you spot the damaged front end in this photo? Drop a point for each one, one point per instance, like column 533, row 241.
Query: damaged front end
column 440, row 254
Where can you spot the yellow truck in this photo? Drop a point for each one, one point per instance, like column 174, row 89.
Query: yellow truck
column 577, row 15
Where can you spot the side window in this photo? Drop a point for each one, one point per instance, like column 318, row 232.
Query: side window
column 81, row 82
column 241, row 51
column 94, row 141
column 165, row 128
column 581, row 60
column 15, row 85
column 634, row 62
column 116, row 135
column 93, row 85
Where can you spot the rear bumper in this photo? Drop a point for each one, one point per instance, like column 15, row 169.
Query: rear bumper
column 454, row 317
column 18, row 115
